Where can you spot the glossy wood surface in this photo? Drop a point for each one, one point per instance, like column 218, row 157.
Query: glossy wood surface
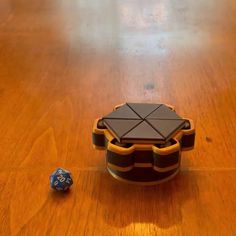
column 65, row 63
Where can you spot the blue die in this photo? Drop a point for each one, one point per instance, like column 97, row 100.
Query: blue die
column 61, row 179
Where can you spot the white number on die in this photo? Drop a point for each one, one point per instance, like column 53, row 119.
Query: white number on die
column 61, row 178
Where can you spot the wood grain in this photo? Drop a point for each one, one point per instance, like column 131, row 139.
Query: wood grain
column 65, row 63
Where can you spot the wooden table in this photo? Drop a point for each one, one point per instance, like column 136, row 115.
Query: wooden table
column 65, row 63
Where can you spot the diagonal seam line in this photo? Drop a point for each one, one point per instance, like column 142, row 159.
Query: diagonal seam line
column 146, row 115
column 153, row 111
column 110, row 127
column 160, row 131
column 162, row 118
column 131, row 129
column 156, row 129
column 134, row 111
column 124, row 118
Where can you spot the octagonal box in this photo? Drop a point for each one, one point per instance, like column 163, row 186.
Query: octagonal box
column 143, row 142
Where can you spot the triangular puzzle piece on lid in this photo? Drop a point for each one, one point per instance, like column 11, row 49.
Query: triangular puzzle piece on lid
column 143, row 133
column 123, row 112
column 120, row 127
column 164, row 112
column 167, row 127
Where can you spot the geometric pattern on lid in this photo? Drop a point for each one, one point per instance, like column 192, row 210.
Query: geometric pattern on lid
column 145, row 131
column 123, row 112
column 164, row 112
column 167, row 127
column 120, row 127
column 154, row 123
column 143, row 109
